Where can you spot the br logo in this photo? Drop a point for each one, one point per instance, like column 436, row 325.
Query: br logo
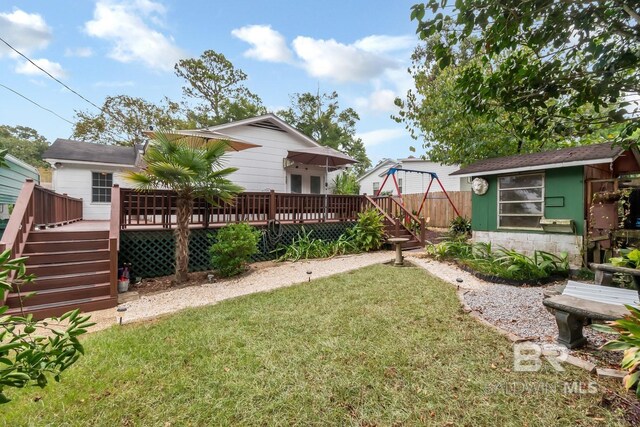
column 528, row 357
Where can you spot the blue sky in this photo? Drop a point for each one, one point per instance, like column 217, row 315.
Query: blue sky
column 361, row 49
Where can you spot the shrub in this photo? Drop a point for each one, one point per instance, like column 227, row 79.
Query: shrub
column 234, row 246
column 628, row 330
column 368, row 233
column 346, row 183
column 306, row 247
column 459, row 226
column 27, row 358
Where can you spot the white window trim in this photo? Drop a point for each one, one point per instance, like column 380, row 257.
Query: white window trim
column 92, row 187
column 541, row 215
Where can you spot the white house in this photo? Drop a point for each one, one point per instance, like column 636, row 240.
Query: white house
column 411, row 183
column 88, row 170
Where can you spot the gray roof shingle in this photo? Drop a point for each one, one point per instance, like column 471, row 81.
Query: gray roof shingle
column 66, row 149
column 585, row 153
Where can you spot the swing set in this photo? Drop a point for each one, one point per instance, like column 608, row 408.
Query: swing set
column 433, row 176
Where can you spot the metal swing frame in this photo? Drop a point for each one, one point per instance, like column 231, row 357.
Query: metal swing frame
column 392, row 173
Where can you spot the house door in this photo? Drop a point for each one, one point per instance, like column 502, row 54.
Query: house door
column 296, row 183
column 315, row 184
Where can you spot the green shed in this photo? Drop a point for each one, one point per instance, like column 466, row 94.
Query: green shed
column 12, row 178
column 541, row 201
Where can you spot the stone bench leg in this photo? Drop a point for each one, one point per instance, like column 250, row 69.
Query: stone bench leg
column 604, row 278
column 570, row 329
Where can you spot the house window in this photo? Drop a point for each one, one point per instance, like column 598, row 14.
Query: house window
column 376, row 187
column 101, row 183
column 520, row 201
column 296, row 183
column 315, row 185
column 400, row 185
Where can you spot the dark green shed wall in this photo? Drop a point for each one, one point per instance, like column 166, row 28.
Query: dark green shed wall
column 564, row 199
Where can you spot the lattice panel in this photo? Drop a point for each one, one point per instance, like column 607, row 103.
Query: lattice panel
column 151, row 253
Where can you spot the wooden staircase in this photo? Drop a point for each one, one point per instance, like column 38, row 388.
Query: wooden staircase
column 395, row 217
column 72, row 270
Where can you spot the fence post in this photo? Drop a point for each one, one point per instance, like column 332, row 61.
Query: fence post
column 423, row 230
column 272, row 205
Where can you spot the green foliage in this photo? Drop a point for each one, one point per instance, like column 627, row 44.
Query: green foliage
column 304, row 246
column 320, row 117
column 629, row 258
column 564, row 68
column 460, row 226
column 123, row 118
column 24, row 143
column 234, row 246
column 218, row 88
column 346, row 183
column 3, row 155
column 628, row 340
column 504, row 263
column 368, row 233
column 26, row 357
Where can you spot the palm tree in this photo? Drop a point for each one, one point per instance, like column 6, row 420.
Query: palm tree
column 193, row 168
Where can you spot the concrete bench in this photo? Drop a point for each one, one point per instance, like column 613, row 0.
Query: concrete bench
column 582, row 302
column 604, row 273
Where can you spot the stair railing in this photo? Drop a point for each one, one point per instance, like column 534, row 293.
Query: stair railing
column 394, row 212
column 114, row 240
column 20, row 221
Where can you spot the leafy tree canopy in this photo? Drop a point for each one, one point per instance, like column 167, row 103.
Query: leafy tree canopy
column 320, row 117
column 123, row 118
column 24, row 143
column 568, row 68
column 218, row 89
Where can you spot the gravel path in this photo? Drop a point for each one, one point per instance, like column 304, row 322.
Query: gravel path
column 282, row 275
column 515, row 309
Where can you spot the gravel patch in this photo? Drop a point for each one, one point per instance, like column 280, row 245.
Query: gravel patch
column 282, row 275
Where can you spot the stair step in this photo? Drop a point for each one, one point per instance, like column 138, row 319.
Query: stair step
column 43, row 270
column 67, row 280
column 49, row 236
column 63, row 257
column 70, row 293
column 65, row 245
column 57, row 309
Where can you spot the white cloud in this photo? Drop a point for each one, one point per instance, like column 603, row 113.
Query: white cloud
column 381, row 136
column 125, row 25
column 340, row 62
column 383, row 44
column 268, row 44
column 380, row 100
column 24, row 31
column 54, row 68
column 80, row 52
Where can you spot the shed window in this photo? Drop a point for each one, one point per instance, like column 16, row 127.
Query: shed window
column 101, row 183
column 520, row 201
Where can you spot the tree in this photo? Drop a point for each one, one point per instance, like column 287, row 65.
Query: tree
column 24, row 143
column 567, row 67
column 123, row 118
column 319, row 117
column 218, row 87
column 192, row 167
column 346, row 183
column 435, row 114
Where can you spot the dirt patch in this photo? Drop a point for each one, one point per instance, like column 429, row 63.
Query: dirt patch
column 161, row 284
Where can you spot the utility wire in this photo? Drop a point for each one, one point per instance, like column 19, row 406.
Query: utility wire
column 36, row 104
column 47, row 73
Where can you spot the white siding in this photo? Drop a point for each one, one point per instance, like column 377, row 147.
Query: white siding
column 366, row 183
column 75, row 180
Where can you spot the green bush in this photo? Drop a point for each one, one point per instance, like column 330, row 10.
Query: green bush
column 628, row 330
column 27, row 356
column 234, row 246
column 459, row 226
column 306, row 247
column 368, row 233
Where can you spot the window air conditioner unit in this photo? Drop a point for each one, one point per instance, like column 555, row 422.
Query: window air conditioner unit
column 557, row 225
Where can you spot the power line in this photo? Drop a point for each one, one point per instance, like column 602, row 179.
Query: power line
column 36, row 104
column 47, row 73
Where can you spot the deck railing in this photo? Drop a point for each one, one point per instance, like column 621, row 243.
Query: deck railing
column 158, row 208
column 54, row 209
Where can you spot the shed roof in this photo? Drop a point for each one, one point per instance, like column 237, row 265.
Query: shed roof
column 66, row 149
column 565, row 157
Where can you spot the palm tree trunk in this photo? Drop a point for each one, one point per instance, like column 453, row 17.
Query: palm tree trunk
column 183, row 214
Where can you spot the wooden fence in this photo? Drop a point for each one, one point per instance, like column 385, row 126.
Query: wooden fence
column 438, row 211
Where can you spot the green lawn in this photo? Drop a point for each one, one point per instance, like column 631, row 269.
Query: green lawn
column 378, row 346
